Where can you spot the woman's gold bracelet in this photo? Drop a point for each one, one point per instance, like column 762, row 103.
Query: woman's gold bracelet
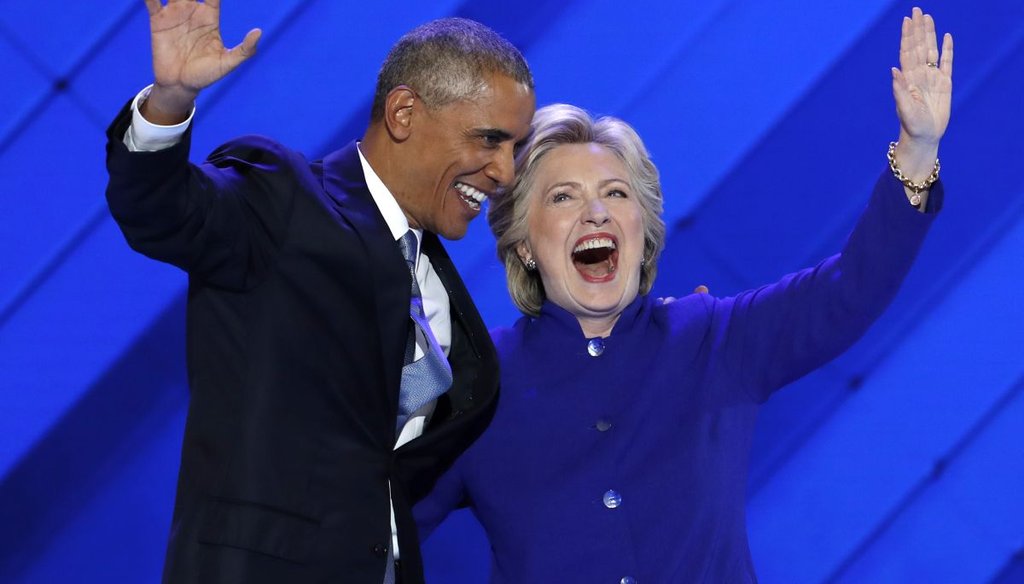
column 914, row 187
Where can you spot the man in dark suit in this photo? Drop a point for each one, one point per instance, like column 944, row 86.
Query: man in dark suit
column 300, row 441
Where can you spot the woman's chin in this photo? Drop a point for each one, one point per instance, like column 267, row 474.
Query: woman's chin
column 607, row 304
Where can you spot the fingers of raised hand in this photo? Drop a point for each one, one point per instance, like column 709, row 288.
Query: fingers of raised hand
column 912, row 54
column 932, row 55
column 919, row 49
column 917, row 41
column 946, row 64
column 906, row 45
column 920, row 37
column 154, row 6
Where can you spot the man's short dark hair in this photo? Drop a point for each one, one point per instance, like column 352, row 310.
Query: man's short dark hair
column 447, row 60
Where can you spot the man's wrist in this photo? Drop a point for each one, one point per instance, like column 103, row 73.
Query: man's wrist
column 167, row 106
column 145, row 136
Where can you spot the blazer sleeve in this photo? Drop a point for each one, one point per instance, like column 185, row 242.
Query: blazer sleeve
column 449, row 493
column 775, row 334
column 221, row 221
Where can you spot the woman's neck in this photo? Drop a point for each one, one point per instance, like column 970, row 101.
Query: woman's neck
column 600, row 326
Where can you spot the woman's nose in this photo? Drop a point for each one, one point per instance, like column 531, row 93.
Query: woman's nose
column 596, row 212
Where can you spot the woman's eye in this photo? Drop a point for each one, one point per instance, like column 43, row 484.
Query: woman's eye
column 617, row 193
column 559, row 197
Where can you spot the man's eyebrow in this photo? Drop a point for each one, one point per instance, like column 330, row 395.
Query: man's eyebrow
column 500, row 134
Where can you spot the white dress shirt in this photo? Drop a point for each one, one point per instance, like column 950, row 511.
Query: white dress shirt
column 143, row 136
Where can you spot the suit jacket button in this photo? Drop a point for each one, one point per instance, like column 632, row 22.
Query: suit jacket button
column 380, row 550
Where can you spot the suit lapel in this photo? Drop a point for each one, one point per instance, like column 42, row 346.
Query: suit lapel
column 344, row 183
column 476, row 372
column 461, row 304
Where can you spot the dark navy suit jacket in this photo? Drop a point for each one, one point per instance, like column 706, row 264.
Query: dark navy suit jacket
column 298, row 305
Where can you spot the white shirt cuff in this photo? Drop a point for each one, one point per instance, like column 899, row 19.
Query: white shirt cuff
column 145, row 136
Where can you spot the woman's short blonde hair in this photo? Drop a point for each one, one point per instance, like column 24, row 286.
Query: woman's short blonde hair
column 553, row 126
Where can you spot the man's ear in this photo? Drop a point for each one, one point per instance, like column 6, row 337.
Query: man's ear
column 398, row 108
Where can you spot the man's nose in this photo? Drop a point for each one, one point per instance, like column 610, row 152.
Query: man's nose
column 503, row 167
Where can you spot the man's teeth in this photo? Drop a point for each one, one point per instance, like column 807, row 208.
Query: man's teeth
column 472, row 195
column 594, row 244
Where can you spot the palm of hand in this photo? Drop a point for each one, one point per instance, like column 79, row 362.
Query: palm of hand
column 923, row 85
column 187, row 47
column 188, row 51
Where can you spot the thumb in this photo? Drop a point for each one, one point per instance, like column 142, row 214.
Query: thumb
column 902, row 88
column 244, row 49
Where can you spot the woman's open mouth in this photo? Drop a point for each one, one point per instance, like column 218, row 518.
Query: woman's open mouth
column 595, row 257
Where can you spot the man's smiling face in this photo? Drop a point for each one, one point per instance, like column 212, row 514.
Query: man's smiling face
column 461, row 153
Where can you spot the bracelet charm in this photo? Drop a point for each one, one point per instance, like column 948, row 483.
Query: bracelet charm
column 915, row 188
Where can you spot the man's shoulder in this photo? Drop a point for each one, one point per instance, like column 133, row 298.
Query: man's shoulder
column 255, row 148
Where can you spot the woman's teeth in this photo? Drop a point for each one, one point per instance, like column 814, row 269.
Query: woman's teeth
column 594, row 244
column 596, row 257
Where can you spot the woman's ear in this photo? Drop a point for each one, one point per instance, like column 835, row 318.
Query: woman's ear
column 524, row 253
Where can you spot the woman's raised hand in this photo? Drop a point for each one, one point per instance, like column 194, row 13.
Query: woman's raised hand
column 923, row 88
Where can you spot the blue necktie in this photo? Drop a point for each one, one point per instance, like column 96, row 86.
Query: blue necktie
column 423, row 380
column 429, row 377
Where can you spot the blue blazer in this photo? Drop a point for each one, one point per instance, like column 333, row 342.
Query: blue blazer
column 297, row 321
column 629, row 464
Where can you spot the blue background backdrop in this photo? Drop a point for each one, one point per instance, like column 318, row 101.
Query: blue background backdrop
column 901, row 461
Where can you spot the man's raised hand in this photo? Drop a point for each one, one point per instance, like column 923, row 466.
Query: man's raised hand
column 188, row 55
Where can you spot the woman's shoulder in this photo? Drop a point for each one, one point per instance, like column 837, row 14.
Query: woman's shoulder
column 506, row 338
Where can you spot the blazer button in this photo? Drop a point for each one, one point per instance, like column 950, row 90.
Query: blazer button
column 380, row 550
column 612, row 499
